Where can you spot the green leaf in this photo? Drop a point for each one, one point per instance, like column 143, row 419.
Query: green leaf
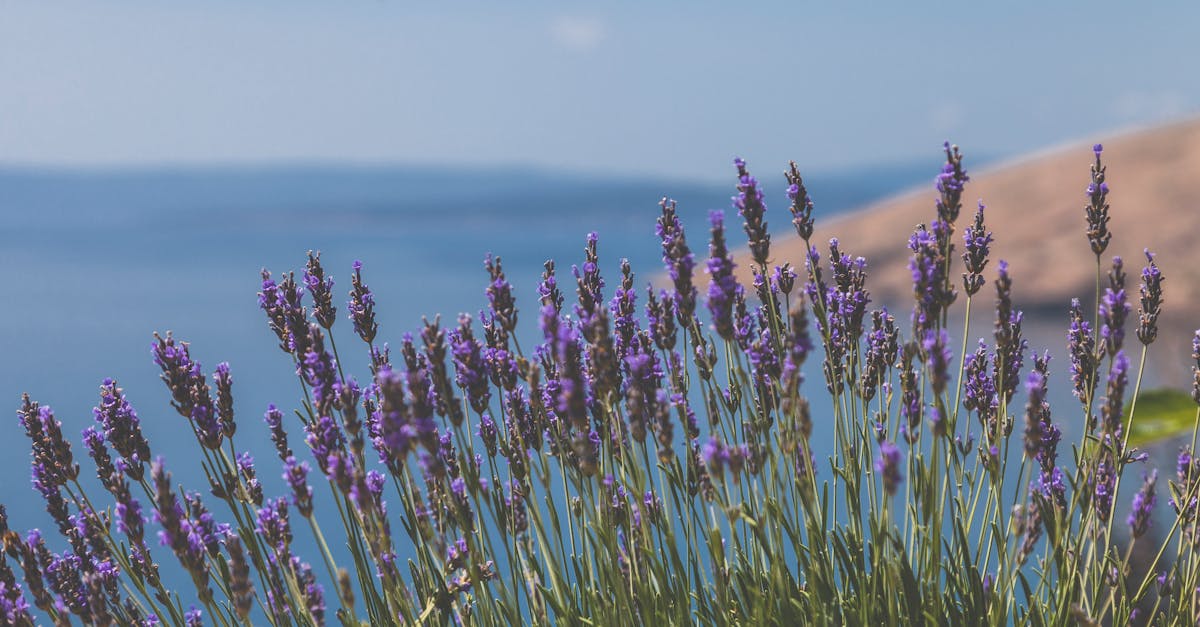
column 1161, row 413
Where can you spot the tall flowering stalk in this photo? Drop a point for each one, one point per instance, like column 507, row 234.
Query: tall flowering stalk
column 645, row 463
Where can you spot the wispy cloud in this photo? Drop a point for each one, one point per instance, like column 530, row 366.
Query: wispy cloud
column 577, row 33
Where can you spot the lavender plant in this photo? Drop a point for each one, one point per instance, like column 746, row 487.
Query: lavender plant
column 641, row 469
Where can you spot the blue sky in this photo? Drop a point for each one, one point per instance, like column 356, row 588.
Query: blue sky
column 671, row 89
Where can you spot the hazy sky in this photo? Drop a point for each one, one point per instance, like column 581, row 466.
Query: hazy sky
column 617, row 87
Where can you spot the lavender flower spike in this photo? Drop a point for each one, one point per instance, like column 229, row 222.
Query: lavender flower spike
column 1196, row 368
column 122, row 429
column 678, row 259
column 1151, row 301
column 749, row 203
column 723, row 287
column 321, row 289
column 1097, row 207
column 802, row 204
column 977, row 240
column 1114, row 309
column 362, row 307
column 950, row 185
column 888, row 466
column 1143, row 506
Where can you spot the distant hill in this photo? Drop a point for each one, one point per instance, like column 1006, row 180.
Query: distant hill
column 1035, row 207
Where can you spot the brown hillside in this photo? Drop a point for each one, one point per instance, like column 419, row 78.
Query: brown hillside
column 1035, row 208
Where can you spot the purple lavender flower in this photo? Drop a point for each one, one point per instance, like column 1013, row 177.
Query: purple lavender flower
column 783, row 279
column 178, row 371
column 224, row 400
column 749, row 204
column 888, row 466
column 929, row 282
column 488, row 434
column 589, row 282
column 1187, row 472
column 979, row 388
column 1050, row 485
column 321, row 289
column 185, row 538
column 470, row 370
column 744, row 328
column 1151, row 301
column 797, row 345
column 286, row 314
column 64, row 574
column 911, row 408
column 272, row 524
column 208, row 427
column 882, row 349
column 296, row 475
column 361, row 307
column 1085, row 365
column 515, row 509
column 723, row 288
column 325, row 438
column 977, row 240
column 253, row 488
column 122, row 429
column 624, row 311
column 204, row 526
column 1103, row 483
column 715, row 456
column 1112, row 412
column 446, row 401
column 1143, row 506
column 678, row 259
column 14, row 609
column 130, row 520
column 193, row 617
column 106, row 471
column 548, row 291
column 1196, row 367
column 1041, row 437
column 405, row 420
column 1097, row 207
column 845, row 302
column 950, row 184
column 53, row 463
column 802, row 205
column 274, row 419
column 1009, row 356
column 1114, row 309
column 499, row 294
column 269, row 302
column 660, row 319
column 319, row 370
column 936, row 347
column 311, row 591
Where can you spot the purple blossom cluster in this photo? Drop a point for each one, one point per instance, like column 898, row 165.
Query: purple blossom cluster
column 749, row 204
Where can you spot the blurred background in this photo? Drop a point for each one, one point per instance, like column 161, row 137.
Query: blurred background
column 154, row 158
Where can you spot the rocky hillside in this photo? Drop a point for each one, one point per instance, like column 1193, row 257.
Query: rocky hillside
column 1035, row 207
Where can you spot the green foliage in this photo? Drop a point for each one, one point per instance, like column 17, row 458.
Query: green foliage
column 1161, row 413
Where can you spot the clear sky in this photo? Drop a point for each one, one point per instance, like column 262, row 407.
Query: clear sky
column 665, row 88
